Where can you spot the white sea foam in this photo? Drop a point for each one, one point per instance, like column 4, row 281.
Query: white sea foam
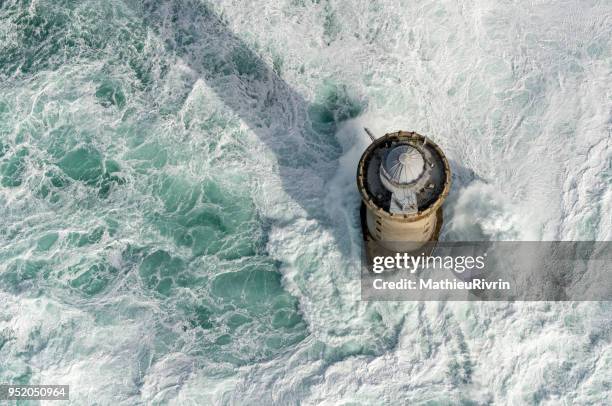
column 509, row 92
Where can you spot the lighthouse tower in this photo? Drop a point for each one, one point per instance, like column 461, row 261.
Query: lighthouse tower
column 403, row 178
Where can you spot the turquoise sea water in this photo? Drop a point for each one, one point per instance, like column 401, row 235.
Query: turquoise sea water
column 178, row 215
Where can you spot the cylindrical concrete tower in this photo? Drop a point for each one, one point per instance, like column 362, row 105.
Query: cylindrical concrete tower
column 403, row 178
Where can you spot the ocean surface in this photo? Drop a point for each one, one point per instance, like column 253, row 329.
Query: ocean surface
column 179, row 215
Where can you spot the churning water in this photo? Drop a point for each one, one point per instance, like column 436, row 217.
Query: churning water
column 178, row 211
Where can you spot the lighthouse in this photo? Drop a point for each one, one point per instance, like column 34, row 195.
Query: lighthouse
column 403, row 178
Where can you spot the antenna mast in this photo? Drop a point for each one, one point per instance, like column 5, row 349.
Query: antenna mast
column 367, row 130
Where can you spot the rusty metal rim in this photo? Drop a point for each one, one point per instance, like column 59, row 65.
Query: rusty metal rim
column 401, row 136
